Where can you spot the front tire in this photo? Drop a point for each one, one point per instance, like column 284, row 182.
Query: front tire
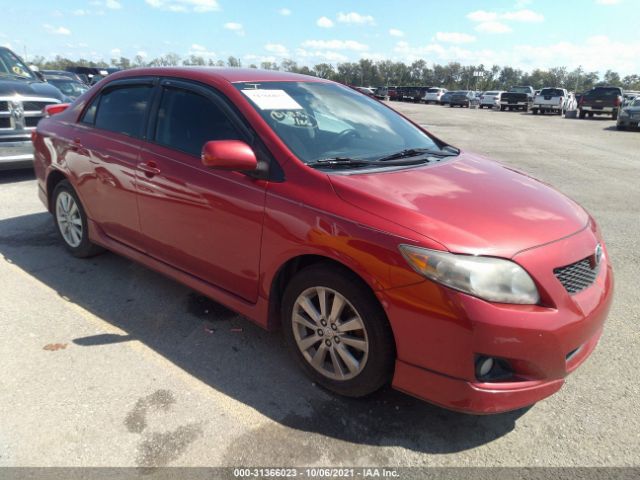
column 71, row 222
column 337, row 331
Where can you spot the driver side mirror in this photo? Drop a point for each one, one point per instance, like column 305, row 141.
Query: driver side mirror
column 229, row 155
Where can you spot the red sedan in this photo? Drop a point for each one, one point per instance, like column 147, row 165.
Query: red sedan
column 384, row 254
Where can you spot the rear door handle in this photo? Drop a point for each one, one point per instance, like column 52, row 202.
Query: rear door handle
column 150, row 168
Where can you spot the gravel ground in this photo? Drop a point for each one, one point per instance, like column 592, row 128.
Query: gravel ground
column 105, row 363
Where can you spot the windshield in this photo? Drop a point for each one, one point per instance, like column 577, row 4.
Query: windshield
column 319, row 121
column 69, row 87
column 603, row 92
column 13, row 66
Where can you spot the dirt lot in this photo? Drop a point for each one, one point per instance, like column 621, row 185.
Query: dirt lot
column 106, row 363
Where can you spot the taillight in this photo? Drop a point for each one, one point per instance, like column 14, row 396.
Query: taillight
column 481, row 97
column 55, row 108
column 581, row 101
column 617, row 102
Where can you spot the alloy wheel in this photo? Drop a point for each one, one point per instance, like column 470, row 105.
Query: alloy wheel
column 330, row 333
column 69, row 219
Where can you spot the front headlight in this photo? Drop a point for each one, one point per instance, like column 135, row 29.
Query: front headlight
column 494, row 279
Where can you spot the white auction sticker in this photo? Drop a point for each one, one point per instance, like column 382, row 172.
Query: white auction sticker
column 272, row 99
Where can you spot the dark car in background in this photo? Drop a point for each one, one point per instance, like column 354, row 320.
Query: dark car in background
column 23, row 96
column 68, row 86
column 445, row 99
column 462, row 98
column 601, row 101
column 61, row 73
column 629, row 116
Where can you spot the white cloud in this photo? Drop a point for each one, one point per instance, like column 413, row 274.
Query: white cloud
column 493, row 27
column 482, row 16
column 201, row 51
column 394, row 32
column 277, row 49
column 523, row 16
column 455, row 37
column 184, row 6
column 336, row 45
column 56, row 30
column 113, row 4
column 284, row 12
column 356, row 18
column 235, row 27
column 321, row 55
column 608, row 2
column 80, row 12
column 493, row 22
column 142, row 53
column 324, row 22
column 115, row 52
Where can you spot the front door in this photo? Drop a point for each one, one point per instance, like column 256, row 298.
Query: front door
column 205, row 222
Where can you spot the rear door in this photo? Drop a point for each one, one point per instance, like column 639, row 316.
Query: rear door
column 104, row 156
column 203, row 221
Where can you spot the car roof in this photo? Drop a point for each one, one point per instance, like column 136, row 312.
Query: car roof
column 231, row 75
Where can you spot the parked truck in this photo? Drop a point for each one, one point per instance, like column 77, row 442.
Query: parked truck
column 601, row 101
column 23, row 97
column 517, row 98
column 553, row 100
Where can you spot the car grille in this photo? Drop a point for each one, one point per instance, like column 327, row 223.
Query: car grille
column 34, row 106
column 577, row 276
column 20, row 113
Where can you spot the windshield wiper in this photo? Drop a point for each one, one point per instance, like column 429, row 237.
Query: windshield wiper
column 337, row 162
column 414, row 152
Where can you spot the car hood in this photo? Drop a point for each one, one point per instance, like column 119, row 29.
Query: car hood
column 468, row 204
column 28, row 88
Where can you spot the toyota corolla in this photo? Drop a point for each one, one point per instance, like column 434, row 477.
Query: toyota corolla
column 384, row 254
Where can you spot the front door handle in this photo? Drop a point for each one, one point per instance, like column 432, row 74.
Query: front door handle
column 150, row 168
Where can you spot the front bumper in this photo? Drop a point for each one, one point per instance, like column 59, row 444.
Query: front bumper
column 437, row 343
column 15, row 153
column 629, row 122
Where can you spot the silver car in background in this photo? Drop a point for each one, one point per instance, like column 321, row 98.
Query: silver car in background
column 434, row 95
column 490, row 99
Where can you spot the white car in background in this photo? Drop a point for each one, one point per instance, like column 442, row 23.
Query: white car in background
column 433, row 95
column 554, row 100
column 490, row 99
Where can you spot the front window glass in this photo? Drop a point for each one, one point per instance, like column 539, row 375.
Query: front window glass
column 324, row 120
column 186, row 121
column 11, row 65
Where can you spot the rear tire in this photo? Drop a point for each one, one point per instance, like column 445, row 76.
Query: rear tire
column 347, row 345
column 614, row 116
column 582, row 114
column 535, row 111
column 71, row 222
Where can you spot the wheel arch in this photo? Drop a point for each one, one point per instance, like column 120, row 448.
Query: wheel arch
column 288, row 270
column 53, row 179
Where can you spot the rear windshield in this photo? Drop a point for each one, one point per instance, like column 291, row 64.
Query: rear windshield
column 604, row 92
column 433, row 90
column 520, row 90
column 554, row 92
column 490, row 93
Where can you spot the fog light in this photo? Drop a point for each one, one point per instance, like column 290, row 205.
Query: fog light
column 484, row 365
column 492, row 369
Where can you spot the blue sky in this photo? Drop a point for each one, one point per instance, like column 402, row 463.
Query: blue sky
column 596, row 34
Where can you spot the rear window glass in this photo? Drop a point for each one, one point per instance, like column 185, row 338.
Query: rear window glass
column 123, row 109
column 604, row 92
column 554, row 92
column 490, row 93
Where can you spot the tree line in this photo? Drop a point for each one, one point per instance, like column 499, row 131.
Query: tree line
column 365, row 72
